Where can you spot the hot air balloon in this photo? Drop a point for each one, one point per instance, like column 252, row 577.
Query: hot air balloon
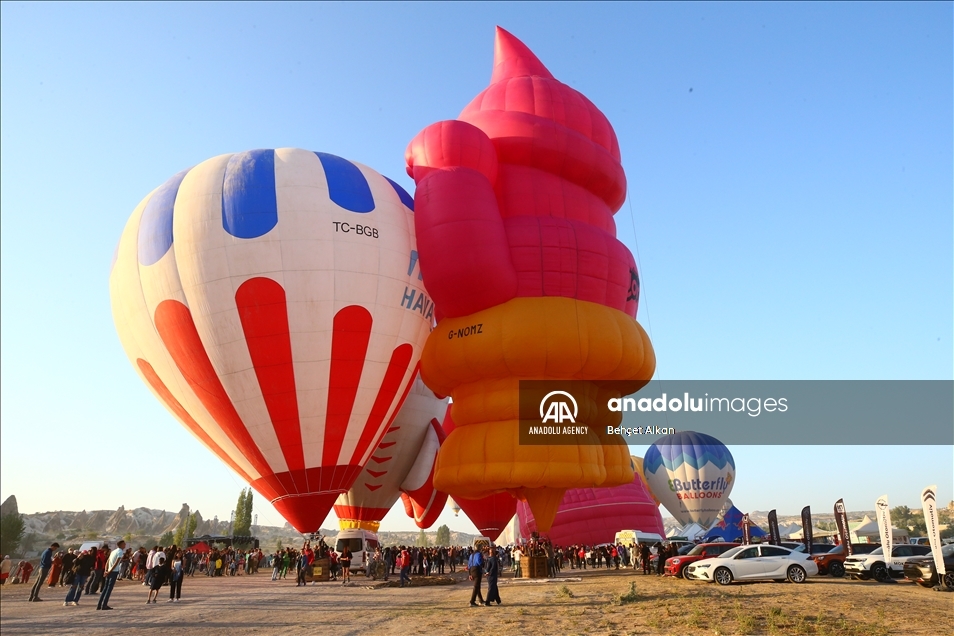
column 401, row 466
column 270, row 300
column 638, row 467
column 453, row 506
column 490, row 514
column 595, row 515
column 514, row 215
column 692, row 474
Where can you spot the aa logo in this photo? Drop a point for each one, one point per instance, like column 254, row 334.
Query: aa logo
column 554, row 408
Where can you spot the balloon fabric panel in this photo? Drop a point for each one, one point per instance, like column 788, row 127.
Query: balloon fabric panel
column 277, row 326
column 514, row 208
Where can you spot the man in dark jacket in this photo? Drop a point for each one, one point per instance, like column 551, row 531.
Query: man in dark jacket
column 46, row 562
column 82, row 568
column 475, row 565
column 493, row 571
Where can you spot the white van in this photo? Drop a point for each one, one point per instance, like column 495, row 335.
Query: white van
column 362, row 544
column 627, row 537
column 89, row 545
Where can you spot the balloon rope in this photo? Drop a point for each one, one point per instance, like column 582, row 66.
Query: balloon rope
column 643, row 295
column 639, row 264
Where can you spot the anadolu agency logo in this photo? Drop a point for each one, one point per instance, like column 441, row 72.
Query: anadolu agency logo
column 557, row 410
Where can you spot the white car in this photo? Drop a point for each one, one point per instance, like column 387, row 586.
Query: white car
column 752, row 563
column 872, row 565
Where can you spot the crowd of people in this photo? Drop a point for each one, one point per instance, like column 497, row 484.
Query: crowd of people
column 96, row 570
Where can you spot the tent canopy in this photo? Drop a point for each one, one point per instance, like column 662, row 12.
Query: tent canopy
column 729, row 528
column 201, row 547
column 816, row 532
column 869, row 529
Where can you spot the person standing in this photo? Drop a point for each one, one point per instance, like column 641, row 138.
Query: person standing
column 345, row 560
column 113, row 564
column 94, row 582
column 404, row 563
column 175, row 581
column 493, row 571
column 5, row 567
column 81, row 570
column 46, row 563
column 475, row 565
column 66, row 572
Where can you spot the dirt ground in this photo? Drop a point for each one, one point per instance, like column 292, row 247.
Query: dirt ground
column 600, row 602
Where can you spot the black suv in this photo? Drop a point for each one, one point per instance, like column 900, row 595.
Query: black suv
column 922, row 571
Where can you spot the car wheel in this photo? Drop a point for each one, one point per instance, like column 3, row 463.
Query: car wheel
column 880, row 572
column 836, row 569
column 797, row 574
column 949, row 579
column 864, row 577
column 682, row 572
column 723, row 576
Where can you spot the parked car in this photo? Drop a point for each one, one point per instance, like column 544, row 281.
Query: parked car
column 866, row 566
column 833, row 561
column 752, row 563
column 920, row 540
column 922, row 571
column 676, row 566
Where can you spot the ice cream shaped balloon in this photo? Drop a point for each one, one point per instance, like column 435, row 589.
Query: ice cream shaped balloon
column 514, row 214
column 402, row 466
column 262, row 297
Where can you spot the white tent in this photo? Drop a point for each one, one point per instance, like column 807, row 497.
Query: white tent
column 866, row 531
column 816, row 533
column 691, row 531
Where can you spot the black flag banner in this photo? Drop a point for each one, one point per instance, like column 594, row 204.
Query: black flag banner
column 807, row 528
column 774, row 537
column 746, row 531
column 841, row 520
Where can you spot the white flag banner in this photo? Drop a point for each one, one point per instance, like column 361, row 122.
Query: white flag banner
column 883, row 513
column 929, row 505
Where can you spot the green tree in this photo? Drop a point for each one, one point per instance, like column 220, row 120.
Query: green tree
column 278, row 546
column 421, row 539
column 11, row 532
column 167, row 539
column 443, row 536
column 901, row 516
column 247, row 518
column 239, row 514
column 128, row 538
column 193, row 522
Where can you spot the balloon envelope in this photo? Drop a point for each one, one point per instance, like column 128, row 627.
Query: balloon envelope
column 692, row 474
column 270, row 300
column 518, row 244
column 594, row 515
column 490, row 514
column 381, row 482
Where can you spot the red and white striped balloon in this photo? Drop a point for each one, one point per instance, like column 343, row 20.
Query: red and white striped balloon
column 271, row 301
column 401, row 466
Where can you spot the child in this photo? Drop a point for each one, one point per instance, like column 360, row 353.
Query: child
column 160, row 576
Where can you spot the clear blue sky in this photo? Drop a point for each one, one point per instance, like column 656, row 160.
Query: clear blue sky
column 790, row 172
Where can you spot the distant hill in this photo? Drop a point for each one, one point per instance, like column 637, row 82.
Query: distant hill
column 144, row 526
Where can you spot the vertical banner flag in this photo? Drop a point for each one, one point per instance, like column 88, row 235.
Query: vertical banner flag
column 929, row 504
column 807, row 537
column 884, row 526
column 774, row 537
column 746, row 533
column 841, row 519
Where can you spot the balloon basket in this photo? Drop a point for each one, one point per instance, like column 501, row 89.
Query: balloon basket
column 534, row 567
